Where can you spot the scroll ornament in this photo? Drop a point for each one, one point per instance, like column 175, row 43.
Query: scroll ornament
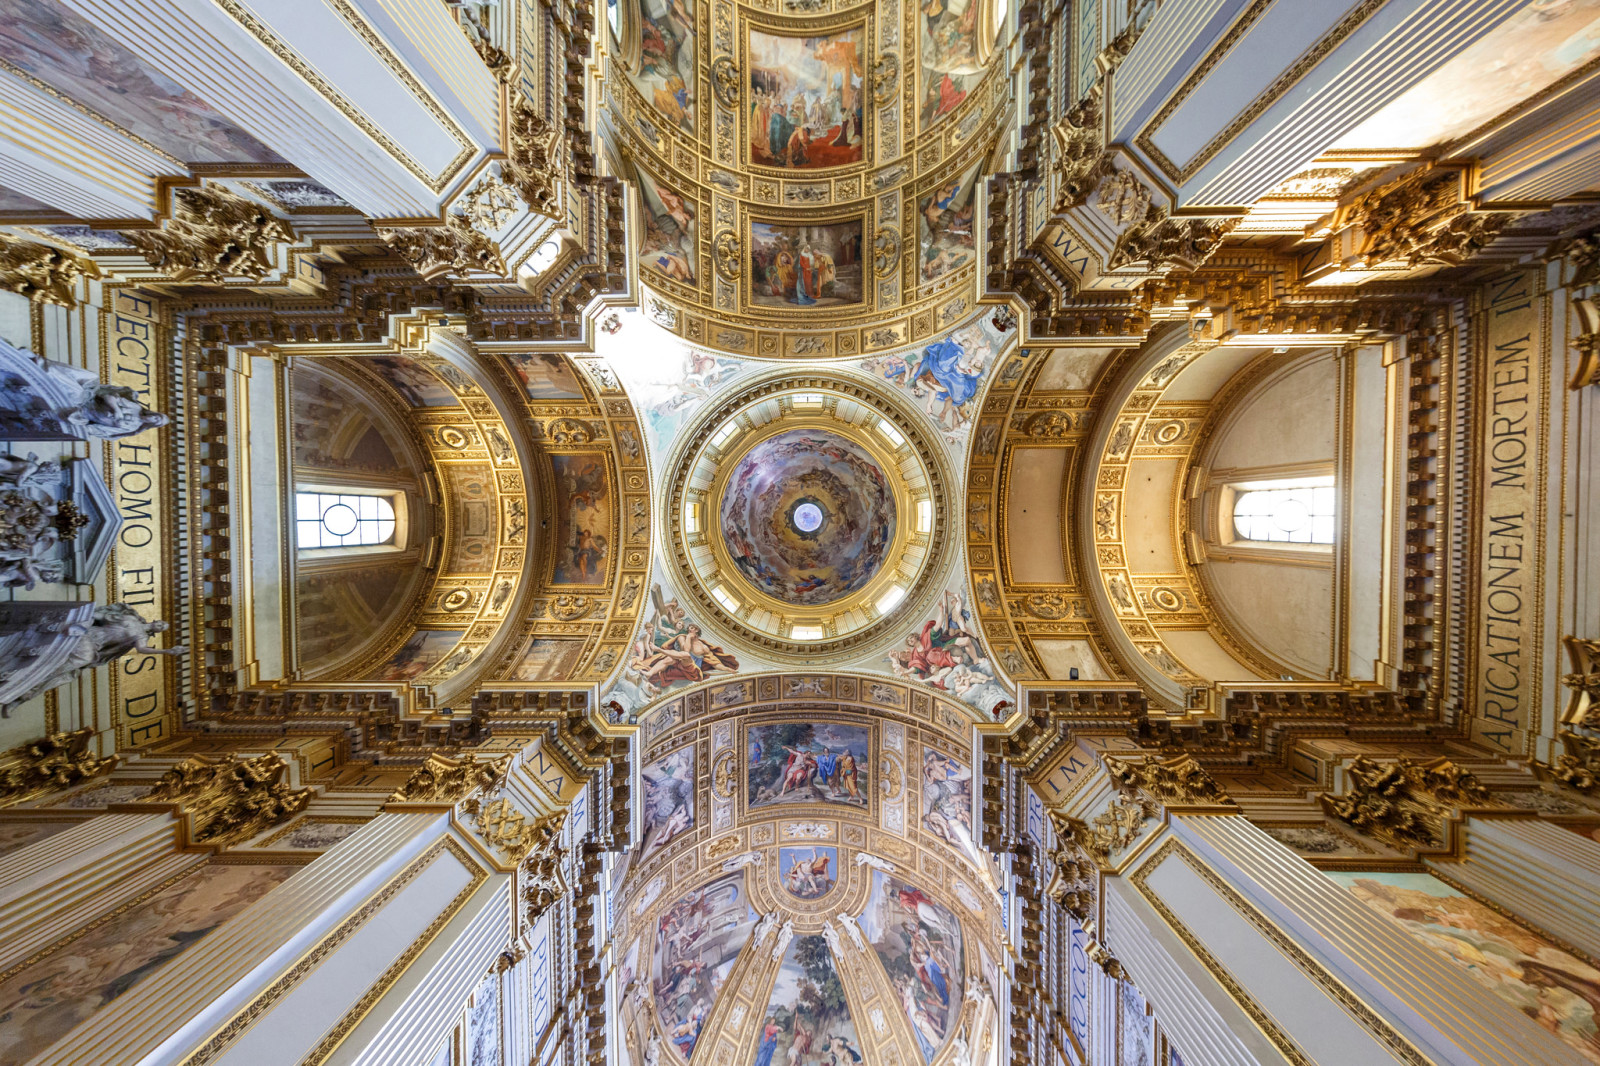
column 42, row 273
column 232, row 800
column 725, row 81
column 213, row 235
column 49, row 764
column 726, row 254
column 885, row 252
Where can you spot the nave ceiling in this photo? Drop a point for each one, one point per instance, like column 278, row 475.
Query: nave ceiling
column 854, row 529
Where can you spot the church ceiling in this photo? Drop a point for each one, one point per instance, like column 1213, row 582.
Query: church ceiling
column 805, row 877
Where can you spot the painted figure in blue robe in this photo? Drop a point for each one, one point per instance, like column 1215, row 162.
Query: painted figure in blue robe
column 951, row 375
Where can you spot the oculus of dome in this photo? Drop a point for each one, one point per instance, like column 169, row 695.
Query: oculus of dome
column 807, row 516
column 804, row 520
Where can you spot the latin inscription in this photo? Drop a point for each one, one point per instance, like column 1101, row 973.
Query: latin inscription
column 1512, row 380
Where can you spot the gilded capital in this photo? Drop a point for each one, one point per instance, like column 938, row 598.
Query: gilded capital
column 442, row 779
column 231, row 800
column 41, row 273
column 50, row 764
column 213, row 235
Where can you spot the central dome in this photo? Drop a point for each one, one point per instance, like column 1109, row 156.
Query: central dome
column 805, row 515
column 808, row 517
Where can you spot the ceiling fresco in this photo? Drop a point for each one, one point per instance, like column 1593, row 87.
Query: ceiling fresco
column 803, row 514
column 800, row 911
column 807, row 517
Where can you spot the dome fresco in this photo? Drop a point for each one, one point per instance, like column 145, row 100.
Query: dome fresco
column 808, row 517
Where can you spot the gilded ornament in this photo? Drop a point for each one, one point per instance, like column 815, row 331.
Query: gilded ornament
column 542, row 882
column 213, row 235
column 533, row 165
column 1116, row 827
column 442, row 779
column 1123, row 198
column 726, row 255
column 490, row 204
column 452, row 249
column 41, row 273
column 885, row 78
column 1579, row 767
column 725, row 81
column 569, row 431
column 1082, row 161
column 1160, row 241
column 1405, row 803
column 1052, row 425
column 885, row 252
column 1176, row 781
column 1419, row 219
column 725, row 775
column 509, row 831
column 1075, row 882
column 231, row 800
column 1584, row 707
column 52, row 763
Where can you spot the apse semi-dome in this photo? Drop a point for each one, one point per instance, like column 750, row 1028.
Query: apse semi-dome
column 806, row 514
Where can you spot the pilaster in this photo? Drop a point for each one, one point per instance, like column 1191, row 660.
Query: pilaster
column 1541, row 872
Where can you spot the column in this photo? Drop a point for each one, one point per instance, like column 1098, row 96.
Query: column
column 1248, row 953
column 72, row 877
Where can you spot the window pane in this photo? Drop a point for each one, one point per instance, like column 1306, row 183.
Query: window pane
column 1299, row 512
column 339, row 520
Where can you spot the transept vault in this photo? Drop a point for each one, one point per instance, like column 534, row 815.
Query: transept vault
column 799, row 532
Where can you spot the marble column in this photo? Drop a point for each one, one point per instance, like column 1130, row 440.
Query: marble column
column 1248, row 954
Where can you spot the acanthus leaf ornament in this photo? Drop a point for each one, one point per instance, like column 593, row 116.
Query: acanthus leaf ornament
column 52, row 763
column 213, row 235
column 1177, row 781
column 726, row 254
column 1405, row 803
column 452, row 249
column 1082, row 161
column 885, row 252
column 230, row 801
column 42, row 273
column 1161, row 241
column 725, row 81
column 534, row 159
column 442, row 779
column 1419, row 218
column 885, row 78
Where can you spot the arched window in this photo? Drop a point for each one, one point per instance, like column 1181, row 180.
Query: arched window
column 1297, row 511
column 342, row 520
